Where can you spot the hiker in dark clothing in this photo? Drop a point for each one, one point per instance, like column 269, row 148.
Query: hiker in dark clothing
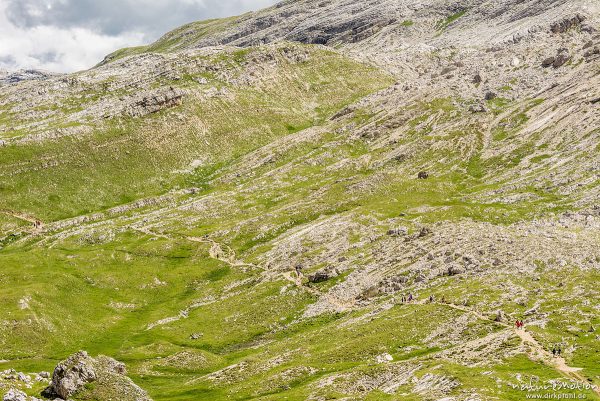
column 554, row 351
column 410, row 297
column 431, row 299
column 403, row 299
column 558, row 351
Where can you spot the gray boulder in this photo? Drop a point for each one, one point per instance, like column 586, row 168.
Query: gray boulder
column 14, row 395
column 71, row 376
column 323, row 275
column 567, row 23
column 153, row 101
column 561, row 59
column 455, row 269
column 548, row 62
column 490, row 96
column 393, row 284
column 398, row 232
column 477, row 108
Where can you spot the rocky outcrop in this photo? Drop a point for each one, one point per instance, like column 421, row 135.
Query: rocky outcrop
column 72, row 376
column 154, row 101
column 566, row 24
column 323, row 275
column 392, row 284
column 398, row 232
column 18, row 395
column 7, row 77
column 352, row 31
column 15, row 395
column 561, row 58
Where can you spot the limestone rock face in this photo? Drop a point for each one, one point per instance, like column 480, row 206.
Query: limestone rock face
column 154, row 101
column 71, row 376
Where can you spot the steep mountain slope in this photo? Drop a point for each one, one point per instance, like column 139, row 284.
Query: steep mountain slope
column 239, row 210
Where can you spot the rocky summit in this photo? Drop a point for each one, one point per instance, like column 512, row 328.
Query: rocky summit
column 326, row 199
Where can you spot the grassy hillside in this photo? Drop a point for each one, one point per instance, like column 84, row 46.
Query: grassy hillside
column 131, row 158
column 195, row 318
column 180, row 192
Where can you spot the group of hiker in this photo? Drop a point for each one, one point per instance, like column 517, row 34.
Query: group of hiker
column 519, row 324
column 406, row 299
column 556, row 350
column 432, row 299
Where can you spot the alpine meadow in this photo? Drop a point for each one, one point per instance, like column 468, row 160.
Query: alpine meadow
column 375, row 200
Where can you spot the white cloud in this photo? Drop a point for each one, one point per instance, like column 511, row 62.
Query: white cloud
column 68, row 35
column 58, row 50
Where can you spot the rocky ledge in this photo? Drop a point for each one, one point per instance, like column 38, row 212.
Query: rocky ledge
column 102, row 378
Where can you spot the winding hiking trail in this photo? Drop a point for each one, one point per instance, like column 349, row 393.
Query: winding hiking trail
column 222, row 253
column 558, row 363
column 226, row 254
column 21, row 216
column 217, row 251
column 536, row 351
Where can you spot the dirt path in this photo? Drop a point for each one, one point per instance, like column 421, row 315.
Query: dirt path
column 472, row 312
column 21, row 216
column 536, row 350
column 558, row 363
column 224, row 253
column 227, row 255
column 37, row 224
column 217, row 251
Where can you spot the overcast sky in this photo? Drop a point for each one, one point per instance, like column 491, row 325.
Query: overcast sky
column 71, row 35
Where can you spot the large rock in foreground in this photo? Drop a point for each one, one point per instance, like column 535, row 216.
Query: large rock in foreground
column 103, row 378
